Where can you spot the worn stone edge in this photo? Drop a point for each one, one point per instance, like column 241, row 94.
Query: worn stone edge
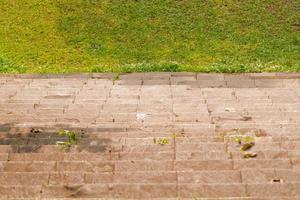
column 123, row 76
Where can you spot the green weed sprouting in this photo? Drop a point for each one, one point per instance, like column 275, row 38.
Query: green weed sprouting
column 161, row 141
column 117, row 77
column 72, row 136
column 245, row 142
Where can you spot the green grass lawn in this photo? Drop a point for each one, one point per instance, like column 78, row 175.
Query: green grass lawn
column 55, row 36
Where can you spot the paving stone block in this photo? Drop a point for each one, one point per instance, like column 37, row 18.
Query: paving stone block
column 296, row 163
column 208, row 147
column 144, row 191
column 148, row 148
column 203, row 165
column 258, row 175
column 66, row 178
column 209, row 177
column 268, row 83
column 146, row 156
column 20, row 192
column 294, row 154
column 3, row 156
column 288, row 175
column 157, row 75
column 210, row 76
column 23, row 179
column 212, row 190
column 81, row 166
column 183, row 80
column 95, row 157
column 273, row 189
column 202, row 155
column 263, row 154
column 144, row 165
column 148, row 177
column 199, row 139
column 28, row 166
column 117, row 108
column 36, row 157
column 239, row 81
column 70, row 191
column 257, row 163
column 98, row 178
column 156, row 108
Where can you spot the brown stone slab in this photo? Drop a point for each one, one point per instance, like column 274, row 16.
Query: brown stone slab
column 212, row 190
column 19, row 192
column 273, row 189
column 258, row 163
column 203, row 165
column 209, row 177
column 19, row 179
column 17, row 166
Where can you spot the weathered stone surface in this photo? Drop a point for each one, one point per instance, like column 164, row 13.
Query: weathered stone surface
column 203, row 165
column 23, row 178
column 211, row 190
column 258, row 175
column 209, row 177
column 150, row 136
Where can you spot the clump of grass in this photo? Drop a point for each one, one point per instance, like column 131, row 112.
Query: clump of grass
column 6, row 67
column 244, row 139
column 247, row 142
column 249, row 155
column 100, row 69
column 248, row 139
column 161, row 141
column 247, row 146
column 117, row 77
column 140, row 67
column 72, row 137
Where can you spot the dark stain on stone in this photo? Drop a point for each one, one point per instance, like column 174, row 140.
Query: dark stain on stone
column 26, row 148
column 92, row 149
column 5, row 127
column 35, row 130
column 72, row 188
column 78, row 194
column 242, row 118
column 77, row 191
column 35, row 139
column 246, row 118
column 33, row 148
column 93, row 145
column 277, row 180
column 260, row 133
column 58, row 97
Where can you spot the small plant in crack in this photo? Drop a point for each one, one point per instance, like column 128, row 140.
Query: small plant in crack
column 161, row 141
column 248, row 143
column 245, row 143
column 247, row 146
column 174, row 135
column 72, row 136
column 250, row 155
column 116, row 78
column 238, row 140
column 248, row 139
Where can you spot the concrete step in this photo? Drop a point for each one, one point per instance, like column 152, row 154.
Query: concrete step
column 167, row 190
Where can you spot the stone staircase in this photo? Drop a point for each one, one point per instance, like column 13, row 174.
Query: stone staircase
column 150, row 136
